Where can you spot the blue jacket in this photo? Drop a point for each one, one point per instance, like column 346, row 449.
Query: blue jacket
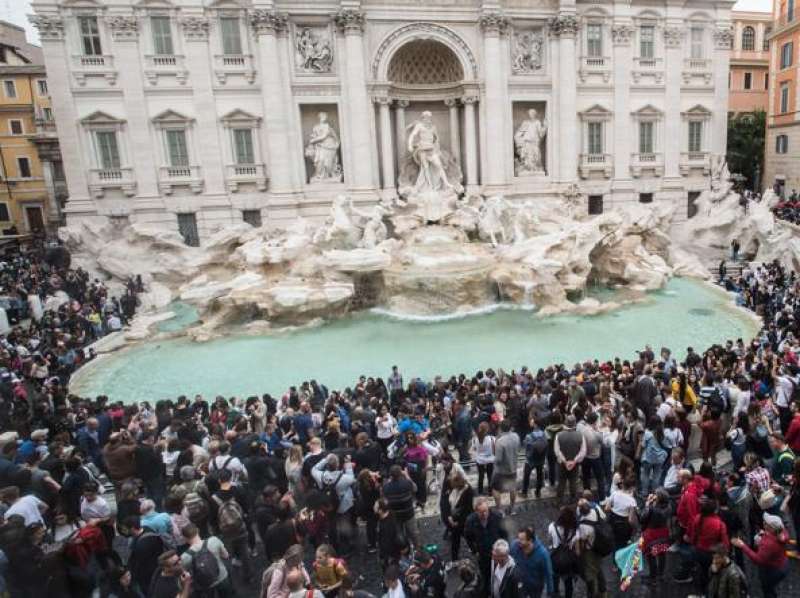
column 535, row 570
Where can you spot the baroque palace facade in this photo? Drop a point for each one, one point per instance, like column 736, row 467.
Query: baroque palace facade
column 194, row 114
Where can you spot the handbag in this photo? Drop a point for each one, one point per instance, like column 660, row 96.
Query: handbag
column 563, row 558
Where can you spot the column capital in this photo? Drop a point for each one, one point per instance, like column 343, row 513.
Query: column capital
column 673, row 36
column 51, row 28
column 350, row 21
column 268, row 22
column 493, row 23
column 195, row 29
column 622, row 34
column 451, row 102
column 124, row 28
column 382, row 100
column 468, row 100
column 723, row 38
column 563, row 26
column 402, row 104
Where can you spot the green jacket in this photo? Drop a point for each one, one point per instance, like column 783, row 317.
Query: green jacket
column 728, row 582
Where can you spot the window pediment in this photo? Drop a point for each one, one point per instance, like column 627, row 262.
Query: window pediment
column 648, row 112
column 697, row 112
column 172, row 118
column 240, row 118
column 99, row 118
column 595, row 113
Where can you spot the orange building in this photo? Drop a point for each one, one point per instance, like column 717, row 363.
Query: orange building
column 782, row 155
column 748, row 81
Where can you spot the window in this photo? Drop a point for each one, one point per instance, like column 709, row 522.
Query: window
column 787, row 50
column 645, row 198
column 47, row 113
column 107, row 149
column 594, row 40
column 595, row 138
column 781, row 144
column 766, row 80
column 595, row 205
column 231, row 35
column 24, row 168
column 187, row 227
column 691, row 207
column 243, row 146
column 58, row 171
column 90, row 36
column 646, row 138
column 15, row 126
column 748, row 80
column 695, row 136
column 252, row 217
column 162, row 35
column 696, row 36
column 765, row 41
column 790, row 10
column 647, row 36
column 177, row 151
column 784, row 97
column 10, row 89
column 4, row 215
column 748, row 39
column 42, row 85
column 3, row 58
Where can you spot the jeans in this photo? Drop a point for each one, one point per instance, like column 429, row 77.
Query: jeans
column 594, row 467
column 484, row 470
column 526, row 477
column 568, row 587
column 770, row 578
column 563, row 477
column 650, row 477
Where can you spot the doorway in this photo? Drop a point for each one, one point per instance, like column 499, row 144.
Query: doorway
column 35, row 219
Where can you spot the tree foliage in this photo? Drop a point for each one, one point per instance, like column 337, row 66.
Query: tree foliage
column 746, row 145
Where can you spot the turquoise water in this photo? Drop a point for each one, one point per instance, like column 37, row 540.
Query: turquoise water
column 185, row 316
column 686, row 313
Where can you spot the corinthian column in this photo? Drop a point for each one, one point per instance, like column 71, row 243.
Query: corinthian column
column 565, row 27
column 387, row 157
column 494, row 25
column 455, row 133
column 471, row 143
column 267, row 25
column 400, row 124
column 350, row 23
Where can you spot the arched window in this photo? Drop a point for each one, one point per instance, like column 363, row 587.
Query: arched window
column 765, row 43
column 748, row 38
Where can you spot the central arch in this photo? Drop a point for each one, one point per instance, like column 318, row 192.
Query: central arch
column 411, row 35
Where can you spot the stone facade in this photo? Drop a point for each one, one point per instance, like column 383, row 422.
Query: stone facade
column 195, row 114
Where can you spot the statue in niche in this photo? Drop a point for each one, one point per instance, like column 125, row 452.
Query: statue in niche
column 314, row 54
column 527, row 53
column 528, row 142
column 323, row 150
column 424, row 147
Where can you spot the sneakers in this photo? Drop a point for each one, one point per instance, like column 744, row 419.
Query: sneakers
column 688, row 579
column 371, row 550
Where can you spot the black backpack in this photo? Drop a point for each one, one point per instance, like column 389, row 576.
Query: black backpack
column 603, row 535
column 564, row 559
column 329, row 490
column 205, row 568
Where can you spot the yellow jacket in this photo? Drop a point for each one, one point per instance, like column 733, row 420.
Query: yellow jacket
column 690, row 400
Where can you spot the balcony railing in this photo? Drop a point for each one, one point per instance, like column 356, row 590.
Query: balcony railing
column 176, row 176
column 164, row 64
column 690, row 160
column 596, row 62
column 647, row 63
column 647, row 161
column 596, row 163
column 697, row 64
column 234, row 64
column 101, row 179
column 237, row 174
column 100, row 62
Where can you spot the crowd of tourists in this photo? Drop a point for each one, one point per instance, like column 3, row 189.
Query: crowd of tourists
column 184, row 497
column 788, row 208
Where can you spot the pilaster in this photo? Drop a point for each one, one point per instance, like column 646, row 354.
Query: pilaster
column 624, row 138
column 673, row 133
column 565, row 28
column 494, row 26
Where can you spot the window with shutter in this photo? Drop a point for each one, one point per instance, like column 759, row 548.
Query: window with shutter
column 107, row 150
column 647, row 36
column 697, row 49
column 162, row 35
column 595, row 145
column 594, row 40
column 231, row 36
column 177, row 149
column 646, row 138
column 243, row 146
column 695, row 136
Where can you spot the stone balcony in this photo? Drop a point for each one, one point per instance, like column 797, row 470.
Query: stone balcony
column 101, row 179
column 594, row 66
column 596, row 163
column 84, row 66
column 647, row 164
column 697, row 69
column 234, row 65
column 165, row 65
column 170, row 177
column 245, row 174
column 695, row 161
column 647, row 70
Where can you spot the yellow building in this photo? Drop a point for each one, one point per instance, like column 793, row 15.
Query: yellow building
column 31, row 176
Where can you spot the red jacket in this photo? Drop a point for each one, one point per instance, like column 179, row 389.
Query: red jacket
column 771, row 551
column 689, row 503
column 793, row 434
column 706, row 532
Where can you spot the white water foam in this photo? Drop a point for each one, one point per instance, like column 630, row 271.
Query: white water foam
column 480, row 311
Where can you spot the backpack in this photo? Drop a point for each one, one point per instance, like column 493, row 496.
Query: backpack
column 266, row 579
column 329, row 490
column 196, row 506
column 603, row 535
column 536, row 445
column 564, row 559
column 213, row 473
column 715, row 401
column 230, row 517
column 167, row 541
column 205, row 567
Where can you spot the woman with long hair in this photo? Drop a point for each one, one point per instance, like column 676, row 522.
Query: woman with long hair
column 655, row 533
column 483, row 452
column 294, row 469
column 654, row 455
column 456, row 507
column 563, row 532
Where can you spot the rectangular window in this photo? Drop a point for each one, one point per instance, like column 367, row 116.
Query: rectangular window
column 691, row 207
column 647, row 36
column 748, row 80
column 90, row 36
column 47, row 113
column 24, row 168
column 58, row 171
column 595, row 205
column 187, row 227
column 4, row 215
column 765, row 43
column 787, row 50
column 790, row 10
column 3, row 58
column 646, row 138
column 645, row 198
column 10, row 89
column 781, row 144
column 695, row 136
column 15, row 127
column 595, row 138
column 696, row 37
column 594, row 40
column 42, row 85
column 107, row 149
column 766, row 80
column 231, row 36
column 176, row 148
column 243, row 146
column 784, row 97
column 162, row 35
column 252, row 217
